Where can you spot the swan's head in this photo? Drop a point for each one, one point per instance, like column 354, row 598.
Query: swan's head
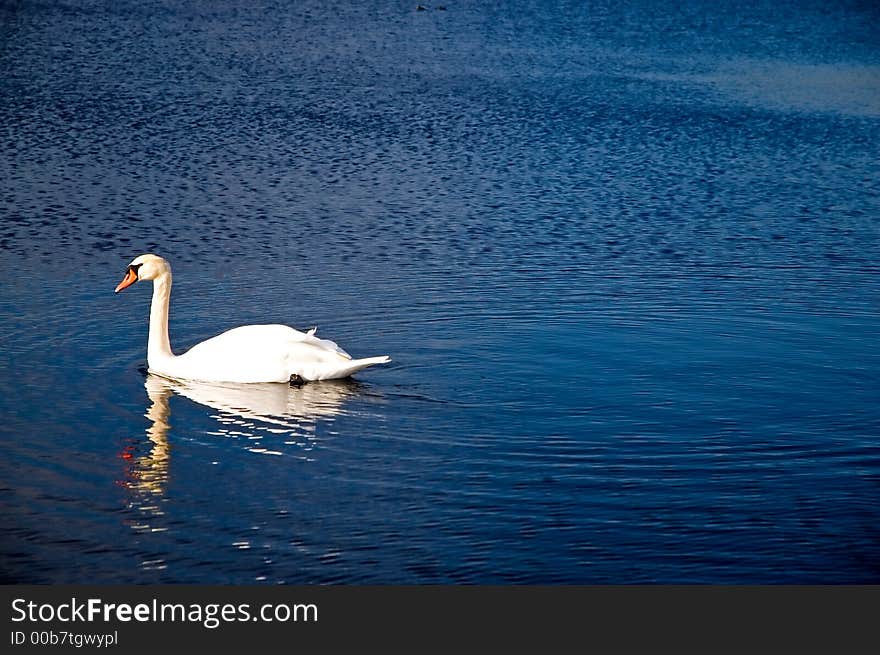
column 145, row 267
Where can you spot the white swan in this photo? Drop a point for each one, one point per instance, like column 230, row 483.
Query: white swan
column 251, row 353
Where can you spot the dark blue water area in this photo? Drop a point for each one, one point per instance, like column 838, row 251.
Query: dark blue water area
column 624, row 257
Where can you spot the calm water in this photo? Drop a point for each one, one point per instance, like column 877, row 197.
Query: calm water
column 625, row 259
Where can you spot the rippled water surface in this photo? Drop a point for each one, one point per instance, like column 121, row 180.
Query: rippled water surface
column 624, row 257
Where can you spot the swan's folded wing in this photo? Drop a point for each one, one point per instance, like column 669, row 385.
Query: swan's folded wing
column 312, row 340
column 325, row 344
column 260, row 353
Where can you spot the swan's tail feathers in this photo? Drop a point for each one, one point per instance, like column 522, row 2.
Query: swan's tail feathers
column 356, row 365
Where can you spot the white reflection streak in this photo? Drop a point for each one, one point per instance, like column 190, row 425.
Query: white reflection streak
column 255, row 410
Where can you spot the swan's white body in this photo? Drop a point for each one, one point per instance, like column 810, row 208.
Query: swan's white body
column 251, row 353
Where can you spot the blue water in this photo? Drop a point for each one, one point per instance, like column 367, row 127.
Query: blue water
column 624, row 256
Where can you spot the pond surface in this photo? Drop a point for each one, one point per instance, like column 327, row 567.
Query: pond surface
column 624, row 257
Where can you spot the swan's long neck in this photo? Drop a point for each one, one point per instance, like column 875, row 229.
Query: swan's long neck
column 159, row 345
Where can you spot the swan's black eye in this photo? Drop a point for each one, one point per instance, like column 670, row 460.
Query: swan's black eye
column 134, row 268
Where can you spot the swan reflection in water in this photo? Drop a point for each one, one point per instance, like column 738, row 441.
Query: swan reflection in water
column 287, row 417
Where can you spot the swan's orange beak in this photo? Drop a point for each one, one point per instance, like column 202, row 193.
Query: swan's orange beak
column 130, row 278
